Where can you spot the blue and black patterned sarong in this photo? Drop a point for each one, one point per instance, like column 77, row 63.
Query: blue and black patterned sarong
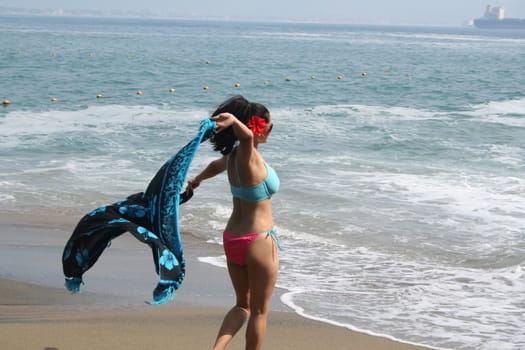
column 151, row 216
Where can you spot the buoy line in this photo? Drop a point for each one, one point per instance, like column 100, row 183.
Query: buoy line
column 286, row 79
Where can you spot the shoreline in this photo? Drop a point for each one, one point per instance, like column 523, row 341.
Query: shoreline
column 33, row 302
column 33, row 319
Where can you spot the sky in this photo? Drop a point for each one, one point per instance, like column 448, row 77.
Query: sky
column 401, row 12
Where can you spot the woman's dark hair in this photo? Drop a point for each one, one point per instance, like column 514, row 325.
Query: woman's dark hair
column 241, row 108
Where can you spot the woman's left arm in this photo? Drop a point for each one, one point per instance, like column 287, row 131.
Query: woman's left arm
column 241, row 131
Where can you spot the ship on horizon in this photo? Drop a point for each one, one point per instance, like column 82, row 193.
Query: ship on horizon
column 494, row 18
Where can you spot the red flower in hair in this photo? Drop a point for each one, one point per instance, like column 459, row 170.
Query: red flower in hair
column 257, row 125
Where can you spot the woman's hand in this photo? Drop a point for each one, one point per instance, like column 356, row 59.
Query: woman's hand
column 224, row 121
column 193, row 184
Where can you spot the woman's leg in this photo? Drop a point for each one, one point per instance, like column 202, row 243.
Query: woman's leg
column 263, row 267
column 236, row 317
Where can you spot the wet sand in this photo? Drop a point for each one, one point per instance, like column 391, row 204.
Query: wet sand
column 36, row 312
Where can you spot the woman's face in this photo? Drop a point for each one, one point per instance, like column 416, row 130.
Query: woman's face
column 269, row 125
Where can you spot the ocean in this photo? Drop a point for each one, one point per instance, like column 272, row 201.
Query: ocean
column 401, row 153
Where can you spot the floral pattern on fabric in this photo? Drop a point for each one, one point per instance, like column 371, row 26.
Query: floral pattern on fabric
column 151, row 216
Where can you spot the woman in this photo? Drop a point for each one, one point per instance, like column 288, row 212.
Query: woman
column 249, row 239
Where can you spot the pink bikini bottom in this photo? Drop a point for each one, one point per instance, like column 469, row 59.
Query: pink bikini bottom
column 236, row 246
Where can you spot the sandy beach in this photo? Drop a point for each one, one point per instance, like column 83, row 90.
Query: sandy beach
column 37, row 313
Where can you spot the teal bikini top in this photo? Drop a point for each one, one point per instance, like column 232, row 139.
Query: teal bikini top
column 259, row 192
